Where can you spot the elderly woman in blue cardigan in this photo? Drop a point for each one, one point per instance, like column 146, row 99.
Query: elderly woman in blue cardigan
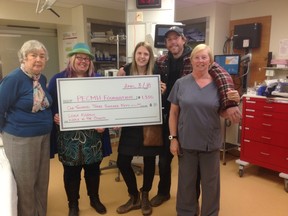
column 25, row 124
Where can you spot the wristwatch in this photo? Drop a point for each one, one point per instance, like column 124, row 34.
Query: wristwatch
column 172, row 137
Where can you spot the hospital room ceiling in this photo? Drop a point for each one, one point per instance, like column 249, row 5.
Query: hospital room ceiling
column 120, row 4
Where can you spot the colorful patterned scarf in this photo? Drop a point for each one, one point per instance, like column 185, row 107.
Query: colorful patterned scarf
column 40, row 101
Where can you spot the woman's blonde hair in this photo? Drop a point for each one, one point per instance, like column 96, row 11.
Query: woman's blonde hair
column 201, row 47
column 149, row 66
column 71, row 67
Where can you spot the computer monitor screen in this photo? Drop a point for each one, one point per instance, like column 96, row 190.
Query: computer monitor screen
column 230, row 62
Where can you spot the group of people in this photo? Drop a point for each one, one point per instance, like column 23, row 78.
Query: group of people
column 195, row 93
column 29, row 123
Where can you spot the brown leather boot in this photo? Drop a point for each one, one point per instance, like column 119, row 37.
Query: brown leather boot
column 145, row 204
column 133, row 203
column 159, row 200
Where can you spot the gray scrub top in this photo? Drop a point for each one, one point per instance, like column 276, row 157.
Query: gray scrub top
column 199, row 125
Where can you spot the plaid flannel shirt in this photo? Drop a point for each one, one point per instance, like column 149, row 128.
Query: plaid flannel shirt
column 220, row 76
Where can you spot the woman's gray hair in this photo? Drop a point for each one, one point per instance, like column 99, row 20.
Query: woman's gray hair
column 31, row 46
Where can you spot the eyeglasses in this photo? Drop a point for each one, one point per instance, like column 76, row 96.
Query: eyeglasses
column 80, row 58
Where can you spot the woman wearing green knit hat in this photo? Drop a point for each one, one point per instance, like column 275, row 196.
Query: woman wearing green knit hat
column 79, row 149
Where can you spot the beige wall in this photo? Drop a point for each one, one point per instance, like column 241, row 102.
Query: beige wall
column 27, row 12
column 217, row 14
column 78, row 23
column 144, row 30
column 71, row 20
column 277, row 9
column 220, row 15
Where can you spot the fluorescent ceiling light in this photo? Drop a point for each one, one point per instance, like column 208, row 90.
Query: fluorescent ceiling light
column 10, row 35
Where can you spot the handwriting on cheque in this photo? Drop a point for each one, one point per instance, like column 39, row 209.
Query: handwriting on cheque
column 143, row 85
column 87, row 103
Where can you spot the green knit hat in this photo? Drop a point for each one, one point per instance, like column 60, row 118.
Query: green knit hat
column 81, row 48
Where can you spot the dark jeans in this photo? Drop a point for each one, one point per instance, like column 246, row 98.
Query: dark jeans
column 124, row 165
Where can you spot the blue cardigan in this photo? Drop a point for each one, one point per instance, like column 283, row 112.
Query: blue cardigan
column 16, row 96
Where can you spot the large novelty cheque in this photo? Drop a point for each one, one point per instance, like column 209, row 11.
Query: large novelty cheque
column 97, row 102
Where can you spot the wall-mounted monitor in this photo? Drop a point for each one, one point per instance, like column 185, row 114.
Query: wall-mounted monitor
column 148, row 4
column 230, row 62
column 247, row 36
column 160, row 30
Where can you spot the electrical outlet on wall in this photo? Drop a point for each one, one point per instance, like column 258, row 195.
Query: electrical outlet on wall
column 270, row 73
column 246, row 43
column 139, row 16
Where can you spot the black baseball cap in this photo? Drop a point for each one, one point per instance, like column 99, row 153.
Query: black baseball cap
column 176, row 29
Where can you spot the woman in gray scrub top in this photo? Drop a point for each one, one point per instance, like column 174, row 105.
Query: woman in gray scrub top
column 195, row 129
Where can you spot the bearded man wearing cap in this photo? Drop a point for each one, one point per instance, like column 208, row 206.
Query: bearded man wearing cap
column 79, row 149
column 171, row 66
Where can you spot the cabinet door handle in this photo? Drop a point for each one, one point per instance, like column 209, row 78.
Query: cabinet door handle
column 264, row 153
column 251, row 102
column 268, row 138
column 250, row 110
column 249, row 116
column 245, row 140
column 268, row 107
column 268, row 125
column 268, row 115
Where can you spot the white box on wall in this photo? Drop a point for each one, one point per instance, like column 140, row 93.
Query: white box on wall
column 111, row 72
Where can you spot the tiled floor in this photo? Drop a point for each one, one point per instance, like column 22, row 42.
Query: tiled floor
column 260, row 192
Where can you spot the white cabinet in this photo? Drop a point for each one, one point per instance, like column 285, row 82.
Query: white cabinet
column 108, row 43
